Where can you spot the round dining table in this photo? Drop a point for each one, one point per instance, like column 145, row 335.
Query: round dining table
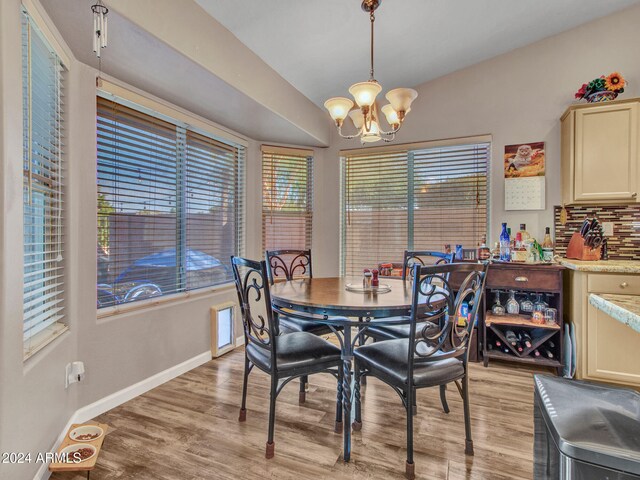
column 329, row 301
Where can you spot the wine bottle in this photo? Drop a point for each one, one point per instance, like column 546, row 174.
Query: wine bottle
column 526, row 339
column 511, row 337
column 547, row 353
column 536, row 353
column 519, row 346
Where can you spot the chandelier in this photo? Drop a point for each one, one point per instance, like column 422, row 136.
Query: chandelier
column 365, row 117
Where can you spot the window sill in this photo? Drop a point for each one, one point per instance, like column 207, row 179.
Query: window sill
column 42, row 339
column 148, row 304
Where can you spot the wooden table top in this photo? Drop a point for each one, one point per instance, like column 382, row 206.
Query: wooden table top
column 330, row 294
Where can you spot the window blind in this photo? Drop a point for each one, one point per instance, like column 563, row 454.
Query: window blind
column 450, row 196
column 287, row 198
column 169, row 205
column 411, row 199
column 43, row 186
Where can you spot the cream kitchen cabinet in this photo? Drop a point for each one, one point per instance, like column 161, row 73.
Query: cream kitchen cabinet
column 600, row 152
column 606, row 349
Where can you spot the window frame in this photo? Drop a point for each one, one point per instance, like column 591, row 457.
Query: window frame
column 407, row 149
column 36, row 21
column 118, row 92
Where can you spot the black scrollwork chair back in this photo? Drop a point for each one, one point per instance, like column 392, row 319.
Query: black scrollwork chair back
column 283, row 357
column 435, row 353
column 425, row 258
column 410, row 258
column 288, row 264
column 253, row 295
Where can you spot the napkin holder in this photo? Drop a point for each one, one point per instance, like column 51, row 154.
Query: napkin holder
column 577, row 250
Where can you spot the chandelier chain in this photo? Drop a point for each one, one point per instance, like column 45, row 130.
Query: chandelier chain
column 373, row 19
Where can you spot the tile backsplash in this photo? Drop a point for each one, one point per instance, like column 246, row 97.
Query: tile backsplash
column 625, row 242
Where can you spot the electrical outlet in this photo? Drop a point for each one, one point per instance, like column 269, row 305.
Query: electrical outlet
column 607, row 228
column 73, row 372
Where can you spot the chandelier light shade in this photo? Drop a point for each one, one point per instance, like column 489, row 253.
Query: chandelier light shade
column 365, row 117
column 99, row 26
column 338, row 108
column 365, row 93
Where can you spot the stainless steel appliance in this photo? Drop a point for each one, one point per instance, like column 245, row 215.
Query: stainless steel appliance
column 585, row 431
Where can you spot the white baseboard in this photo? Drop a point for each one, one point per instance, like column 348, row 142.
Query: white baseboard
column 118, row 398
column 240, row 341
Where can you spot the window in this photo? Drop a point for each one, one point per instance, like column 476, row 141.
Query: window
column 416, row 199
column 169, row 205
column 43, row 189
column 287, row 198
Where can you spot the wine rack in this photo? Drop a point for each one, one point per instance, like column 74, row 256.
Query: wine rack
column 527, row 281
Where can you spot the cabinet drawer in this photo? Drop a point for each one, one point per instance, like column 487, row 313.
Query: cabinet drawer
column 524, row 279
column 621, row 284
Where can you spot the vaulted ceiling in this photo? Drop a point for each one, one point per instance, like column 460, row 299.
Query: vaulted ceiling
column 264, row 68
column 322, row 47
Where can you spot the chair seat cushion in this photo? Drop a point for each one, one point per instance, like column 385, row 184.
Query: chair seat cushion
column 393, row 332
column 296, row 351
column 389, row 358
column 291, row 324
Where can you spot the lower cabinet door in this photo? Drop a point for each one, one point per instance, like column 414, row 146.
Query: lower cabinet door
column 612, row 350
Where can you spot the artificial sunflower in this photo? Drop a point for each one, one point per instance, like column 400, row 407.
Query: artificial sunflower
column 614, row 82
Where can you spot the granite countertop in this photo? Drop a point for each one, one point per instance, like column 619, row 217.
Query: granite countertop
column 624, row 308
column 603, row 266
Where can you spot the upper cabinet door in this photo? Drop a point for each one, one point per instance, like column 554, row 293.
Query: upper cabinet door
column 605, row 164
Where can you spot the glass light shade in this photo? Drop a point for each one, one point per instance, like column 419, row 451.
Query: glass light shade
column 401, row 98
column 357, row 117
column 338, row 107
column 365, row 93
column 390, row 114
column 373, row 135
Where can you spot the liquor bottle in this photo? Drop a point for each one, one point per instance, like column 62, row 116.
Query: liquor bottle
column 547, row 242
column 547, row 246
column 512, row 304
column 505, row 247
column 525, row 338
column 483, row 251
column 523, row 231
column 511, row 337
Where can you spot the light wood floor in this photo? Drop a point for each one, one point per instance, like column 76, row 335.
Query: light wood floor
column 188, row 429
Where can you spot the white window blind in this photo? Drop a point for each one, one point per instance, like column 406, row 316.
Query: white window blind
column 414, row 199
column 287, row 198
column 169, row 205
column 43, row 188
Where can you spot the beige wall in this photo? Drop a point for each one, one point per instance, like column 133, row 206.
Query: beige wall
column 516, row 97
column 118, row 351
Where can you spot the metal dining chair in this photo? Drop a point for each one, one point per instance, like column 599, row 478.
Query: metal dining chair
column 436, row 351
column 289, row 264
column 282, row 357
column 411, row 257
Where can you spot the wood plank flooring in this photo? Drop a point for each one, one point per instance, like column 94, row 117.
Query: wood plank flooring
column 188, row 429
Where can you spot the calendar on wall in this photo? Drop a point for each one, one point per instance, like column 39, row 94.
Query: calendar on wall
column 524, row 193
column 524, row 169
